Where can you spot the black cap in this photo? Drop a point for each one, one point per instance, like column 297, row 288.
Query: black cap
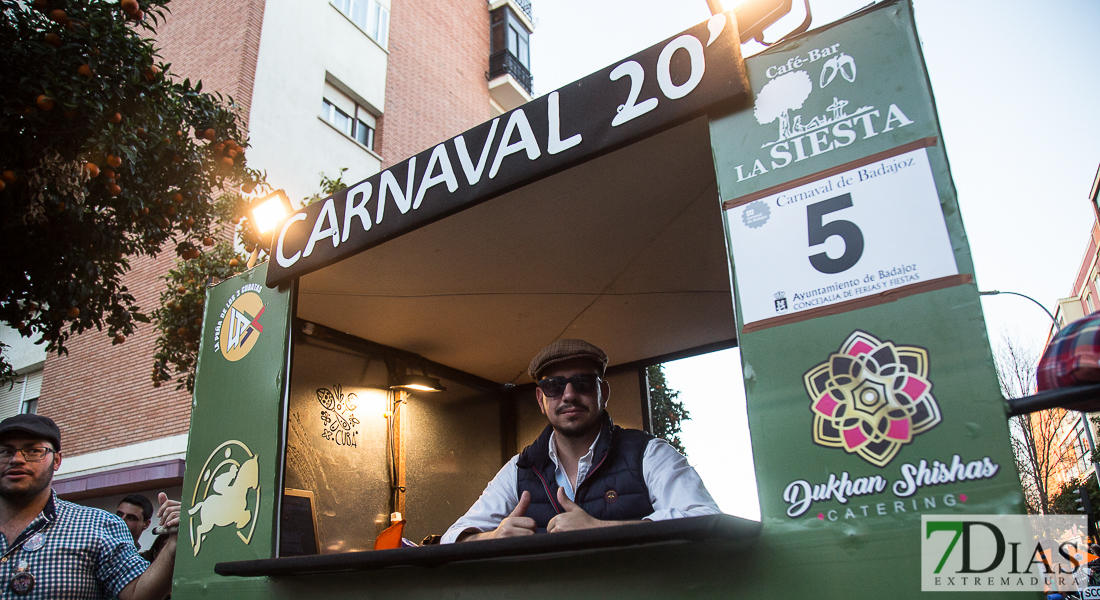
column 36, row 425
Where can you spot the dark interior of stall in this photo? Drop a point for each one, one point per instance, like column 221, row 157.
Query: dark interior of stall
column 627, row 251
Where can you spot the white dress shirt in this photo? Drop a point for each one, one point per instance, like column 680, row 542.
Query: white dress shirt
column 675, row 489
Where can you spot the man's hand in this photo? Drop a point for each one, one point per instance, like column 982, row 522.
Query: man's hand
column 574, row 518
column 514, row 525
column 169, row 512
column 156, row 582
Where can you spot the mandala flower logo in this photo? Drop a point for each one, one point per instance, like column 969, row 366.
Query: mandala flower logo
column 871, row 398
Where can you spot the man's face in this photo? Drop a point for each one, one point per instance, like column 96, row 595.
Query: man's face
column 134, row 518
column 573, row 414
column 20, row 479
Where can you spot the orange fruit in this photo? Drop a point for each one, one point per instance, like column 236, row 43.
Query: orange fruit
column 8, row 176
column 58, row 15
column 234, row 262
column 144, row 210
column 129, row 6
column 151, row 73
column 114, row 189
column 165, row 223
column 115, row 118
column 177, row 198
column 53, row 39
column 109, row 173
column 179, row 133
column 114, row 161
column 182, row 331
column 119, row 339
column 91, row 169
column 44, row 102
column 219, row 146
column 227, row 161
column 172, row 210
column 209, row 134
column 198, row 322
column 232, row 153
column 141, row 132
column 73, row 312
column 2, row 186
column 85, row 70
column 207, row 241
column 181, row 289
column 189, row 221
column 248, row 187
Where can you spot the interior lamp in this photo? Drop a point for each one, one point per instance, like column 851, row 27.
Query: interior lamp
column 417, row 383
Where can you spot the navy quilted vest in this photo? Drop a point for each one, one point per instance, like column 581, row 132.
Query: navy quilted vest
column 614, row 489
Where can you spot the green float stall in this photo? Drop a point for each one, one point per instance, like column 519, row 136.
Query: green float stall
column 797, row 205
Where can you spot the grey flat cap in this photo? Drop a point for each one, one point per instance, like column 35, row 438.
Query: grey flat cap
column 563, row 350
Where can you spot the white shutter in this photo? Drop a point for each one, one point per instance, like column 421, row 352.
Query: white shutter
column 9, row 398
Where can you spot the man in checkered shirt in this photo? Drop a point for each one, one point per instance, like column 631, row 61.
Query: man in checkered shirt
column 56, row 550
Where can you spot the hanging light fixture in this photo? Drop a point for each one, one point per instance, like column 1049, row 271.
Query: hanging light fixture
column 417, row 383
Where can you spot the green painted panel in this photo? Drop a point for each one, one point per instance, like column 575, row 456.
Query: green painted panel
column 233, row 452
column 845, row 507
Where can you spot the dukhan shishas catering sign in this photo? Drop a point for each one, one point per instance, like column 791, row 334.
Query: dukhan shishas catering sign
column 676, row 80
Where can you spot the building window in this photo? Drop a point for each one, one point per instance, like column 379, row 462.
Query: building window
column 509, row 46
column 22, row 396
column 508, row 33
column 1081, row 445
column 1088, row 303
column 369, row 15
column 350, row 118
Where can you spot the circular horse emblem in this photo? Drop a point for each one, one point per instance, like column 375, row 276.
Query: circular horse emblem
column 227, row 493
column 240, row 327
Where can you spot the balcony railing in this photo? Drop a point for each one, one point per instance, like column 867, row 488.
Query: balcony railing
column 504, row 63
column 525, row 5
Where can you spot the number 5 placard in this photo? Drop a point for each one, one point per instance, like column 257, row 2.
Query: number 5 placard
column 845, row 236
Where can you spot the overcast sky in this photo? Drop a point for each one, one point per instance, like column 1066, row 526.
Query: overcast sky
column 1016, row 88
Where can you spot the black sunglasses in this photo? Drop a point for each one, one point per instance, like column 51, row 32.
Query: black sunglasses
column 582, row 384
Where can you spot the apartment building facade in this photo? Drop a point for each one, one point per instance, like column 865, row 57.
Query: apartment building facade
column 322, row 85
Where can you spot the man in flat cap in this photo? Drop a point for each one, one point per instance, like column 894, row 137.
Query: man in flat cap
column 583, row 471
column 56, row 549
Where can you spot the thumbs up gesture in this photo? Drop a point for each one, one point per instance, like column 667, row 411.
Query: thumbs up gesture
column 515, row 524
column 573, row 518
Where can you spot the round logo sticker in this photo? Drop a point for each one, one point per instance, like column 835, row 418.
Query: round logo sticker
column 240, row 326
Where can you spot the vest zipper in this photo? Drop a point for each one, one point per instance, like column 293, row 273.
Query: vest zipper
column 546, row 486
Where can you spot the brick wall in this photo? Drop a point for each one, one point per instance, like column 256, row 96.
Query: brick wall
column 435, row 76
column 101, row 395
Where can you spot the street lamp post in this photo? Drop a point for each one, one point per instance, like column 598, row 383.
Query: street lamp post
column 1039, row 304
